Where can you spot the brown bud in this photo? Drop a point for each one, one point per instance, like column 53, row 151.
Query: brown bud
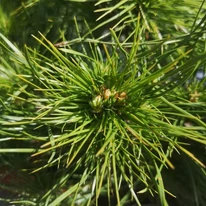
column 123, row 95
column 107, row 94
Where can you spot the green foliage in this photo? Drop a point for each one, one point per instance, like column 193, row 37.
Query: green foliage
column 117, row 118
column 55, row 20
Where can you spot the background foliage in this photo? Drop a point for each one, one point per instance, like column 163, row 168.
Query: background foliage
column 102, row 102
